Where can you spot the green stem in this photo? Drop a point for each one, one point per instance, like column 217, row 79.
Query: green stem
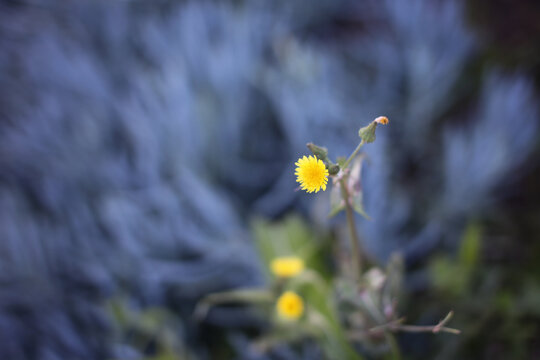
column 353, row 154
column 356, row 258
column 355, row 249
column 394, row 347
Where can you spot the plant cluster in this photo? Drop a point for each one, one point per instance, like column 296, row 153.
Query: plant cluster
column 356, row 312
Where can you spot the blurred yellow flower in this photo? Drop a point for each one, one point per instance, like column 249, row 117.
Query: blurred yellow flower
column 311, row 173
column 287, row 266
column 290, row 306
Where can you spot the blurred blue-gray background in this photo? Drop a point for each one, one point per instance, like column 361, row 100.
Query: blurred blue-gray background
column 139, row 139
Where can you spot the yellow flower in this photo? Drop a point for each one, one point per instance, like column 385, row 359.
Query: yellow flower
column 287, row 266
column 311, row 173
column 290, row 306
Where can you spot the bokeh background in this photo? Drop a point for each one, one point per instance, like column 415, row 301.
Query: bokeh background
column 142, row 143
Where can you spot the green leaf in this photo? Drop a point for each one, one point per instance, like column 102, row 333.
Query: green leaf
column 290, row 237
column 294, row 237
column 323, row 315
column 247, row 296
column 336, row 210
column 449, row 276
column 470, row 246
column 358, row 206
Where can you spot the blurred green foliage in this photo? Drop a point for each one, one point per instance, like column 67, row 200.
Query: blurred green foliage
column 292, row 236
column 151, row 333
column 497, row 304
column 453, row 276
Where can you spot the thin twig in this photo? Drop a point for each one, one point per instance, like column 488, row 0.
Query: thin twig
column 390, row 325
column 434, row 329
column 396, row 325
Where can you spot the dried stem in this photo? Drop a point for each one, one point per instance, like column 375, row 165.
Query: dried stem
column 396, row 325
column 434, row 329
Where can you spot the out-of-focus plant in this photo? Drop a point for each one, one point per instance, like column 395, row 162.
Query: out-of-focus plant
column 501, row 296
column 147, row 333
column 353, row 312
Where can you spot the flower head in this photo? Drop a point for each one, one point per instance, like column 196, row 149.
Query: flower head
column 290, row 306
column 381, row 120
column 311, row 173
column 287, row 266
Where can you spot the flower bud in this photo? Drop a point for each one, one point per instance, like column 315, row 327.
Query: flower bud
column 333, row 169
column 367, row 133
column 319, row 151
column 383, row 120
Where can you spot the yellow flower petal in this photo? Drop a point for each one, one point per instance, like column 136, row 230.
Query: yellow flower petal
column 287, row 266
column 311, row 173
column 290, row 306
